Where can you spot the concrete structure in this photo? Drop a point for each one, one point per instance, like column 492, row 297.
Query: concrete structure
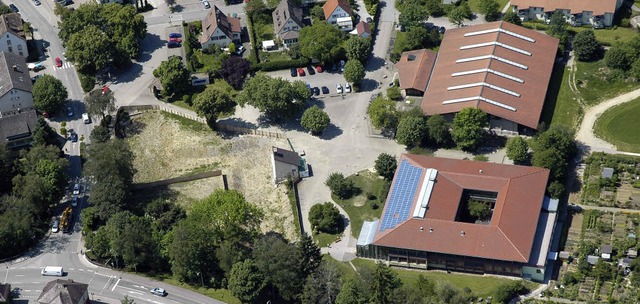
column 501, row 68
column 596, row 13
column 414, row 71
column 426, row 221
column 12, row 36
column 15, row 85
column 285, row 164
column 336, row 12
column 362, row 29
column 64, row 292
column 220, row 30
column 5, row 293
column 287, row 22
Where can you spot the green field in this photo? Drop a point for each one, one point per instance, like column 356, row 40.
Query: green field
column 595, row 83
column 475, row 4
column 619, row 125
column 561, row 105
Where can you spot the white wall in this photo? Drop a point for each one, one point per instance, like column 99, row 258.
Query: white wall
column 11, row 43
column 220, row 42
column 14, row 100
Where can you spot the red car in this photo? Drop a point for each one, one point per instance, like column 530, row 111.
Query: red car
column 319, row 69
column 178, row 40
column 301, row 71
column 58, row 62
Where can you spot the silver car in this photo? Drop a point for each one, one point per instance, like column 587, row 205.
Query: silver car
column 159, row 292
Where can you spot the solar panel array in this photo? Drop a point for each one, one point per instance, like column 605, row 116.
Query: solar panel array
column 404, row 190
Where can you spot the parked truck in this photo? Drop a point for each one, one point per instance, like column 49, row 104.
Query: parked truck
column 65, row 220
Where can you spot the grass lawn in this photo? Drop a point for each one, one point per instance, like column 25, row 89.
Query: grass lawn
column 360, row 208
column 210, row 62
column 561, row 106
column 274, row 56
column 619, row 125
column 594, row 85
column 475, row 5
column 325, row 239
column 187, row 123
column 609, row 36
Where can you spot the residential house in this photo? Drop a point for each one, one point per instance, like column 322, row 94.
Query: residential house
column 414, row 70
column 597, row 13
column 287, row 22
column 605, row 251
column 220, row 30
column 363, row 29
column 15, row 85
column 16, row 131
column 286, row 164
column 499, row 67
column 5, row 293
column 338, row 12
column 425, row 225
column 64, row 292
column 13, row 39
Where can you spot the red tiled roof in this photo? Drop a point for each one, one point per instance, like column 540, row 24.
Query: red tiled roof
column 597, row 7
column 363, row 27
column 510, row 234
column 217, row 19
column 414, row 69
column 330, row 6
column 505, row 71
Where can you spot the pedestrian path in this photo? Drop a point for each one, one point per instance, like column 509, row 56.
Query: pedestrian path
column 65, row 65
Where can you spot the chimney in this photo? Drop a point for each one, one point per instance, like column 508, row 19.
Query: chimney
column 421, row 228
column 15, row 68
column 462, row 233
column 480, row 171
column 430, row 229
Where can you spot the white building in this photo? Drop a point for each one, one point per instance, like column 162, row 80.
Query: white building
column 13, row 39
column 287, row 22
column 219, row 29
column 336, row 12
column 15, row 85
column 598, row 14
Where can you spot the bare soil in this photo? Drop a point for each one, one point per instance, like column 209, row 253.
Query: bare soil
column 164, row 149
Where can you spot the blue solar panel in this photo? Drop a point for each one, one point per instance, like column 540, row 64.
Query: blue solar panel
column 404, row 190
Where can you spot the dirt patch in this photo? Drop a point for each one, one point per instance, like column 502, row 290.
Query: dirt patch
column 359, row 201
column 164, row 149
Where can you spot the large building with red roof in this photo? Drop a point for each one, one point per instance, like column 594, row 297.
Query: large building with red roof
column 427, row 222
column 598, row 13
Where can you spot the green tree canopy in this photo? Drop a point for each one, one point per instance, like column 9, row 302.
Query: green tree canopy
column 412, row 14
column 339, row 185
column 350, row 293
column 326, row 218
column 310, row 253
column 173, row 75
column 323, row 285
column 458, row 14
column 490, row 9
column 586, row 47
column 511, row 17
column 517, row 150
column 386, row 165
column 468, row 127
column 276, row 97
column 438, row 129
column 100, row 103
column 383, row 113
column 320, row 41
column 354, row 71
column 49, row 94
column 245, row 281
column 100, row 134
column 617, row 57
column 411, row 131
column 357, row 48
column 315, row 120
column 278, row 263
column 213, row 102
column 383, row 283
column 553, row 149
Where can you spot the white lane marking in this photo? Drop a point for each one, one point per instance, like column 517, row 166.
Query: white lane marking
column 19, row 275
column 106, row 284
column 116, row 285
column 135, row 292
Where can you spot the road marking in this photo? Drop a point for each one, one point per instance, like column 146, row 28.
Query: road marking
column 106, row 284
column 19, row 275
column 116, row 285
column 135, row 292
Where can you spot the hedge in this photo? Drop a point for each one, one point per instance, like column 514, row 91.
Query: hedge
column 281, row 65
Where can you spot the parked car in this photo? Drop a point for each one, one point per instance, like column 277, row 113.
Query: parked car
column 316, row 91
column 347, row 88
column 301, row 72
column 240, row 50
column 36, row 2
column 173, row 44
column 178, row 40
column 441, row 30
column 294, row 72
column 76, row 189
column 74, row 137
column 310, row 70
column 325, row 90
column 58, row 62
column 34, row 78
column 206, row 4
column 69, row 111
column 339, row 88
column 14, row 8
column 55, row 226
column 319, row 69
column 175, row 35
column 74, row 201
column 369, row 20
column 159, row 292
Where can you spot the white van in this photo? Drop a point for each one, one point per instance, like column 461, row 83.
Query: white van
column 85, row 118
column 52, row 271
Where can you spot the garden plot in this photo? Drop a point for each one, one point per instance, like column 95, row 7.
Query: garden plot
column 166, row 148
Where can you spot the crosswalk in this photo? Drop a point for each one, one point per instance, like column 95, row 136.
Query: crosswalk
column 64, row 66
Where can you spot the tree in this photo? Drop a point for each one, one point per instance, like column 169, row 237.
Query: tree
column 326, row 218
column 617, row 58
column 517, row 150
column 339, row 185
column 411, row 131
column 412, row 14
column 383, row 283
column 276, row 97
column 173, row 75
column 4, row 9
column 383, row 113
column 354, row 71
column 458, row 14
column 234, row 70
column 278, row 261
column 438, row 129
column 317, row 12
column 508, row 291
column 386, row 165
column 511, row 17
column 357, row 48
column 42, row 134
column 479, row 210
column 100, row 134
column 255, row 7
column 393, row 93
column 130, row 239
column 245, row 281
column 49, row 94
column 315, row 120
column 311, row 257
column 557, row 25
column 100, row 102
column 90, row 49
column 320, row 41
column 585, row 46
column 127, row 300
column 490, row 9
column 468, row 127
column 322, row 286
column 555, row 189
column 212, row 102
column 350, row 293
column 553, row 149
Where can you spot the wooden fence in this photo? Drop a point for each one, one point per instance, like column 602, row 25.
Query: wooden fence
column 241, row 130
column 180, row 179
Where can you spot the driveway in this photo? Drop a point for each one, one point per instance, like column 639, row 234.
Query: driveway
column 328, row 79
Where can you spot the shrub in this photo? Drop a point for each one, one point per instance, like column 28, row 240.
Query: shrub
column 63, row 131
column 326, row 218
column 281, row 65
column 393, row 93
column 88, row 82
column 508, row 291
column 187, row 99
column 340, row 186
column 481, row 157
column 386, row 165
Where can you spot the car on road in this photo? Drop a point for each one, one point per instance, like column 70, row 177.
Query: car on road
column 35, row 78
column 310, row 70
column 74, row 137
column 69, row 111
column 206, row 4
column 14, row 8
column 339, row 88
column 159, row 292
column 301, row 72
column 347, row 88
column 294, row 72
column 240, row 50
column 36, row 2
column 173, row 44
column 369, row 20
column 175, row 35
column 74, row 201
column 55, row 226
column 85, row 118
column 178, row 40
column 76, row 189
column 316, row 91
column 319, row 69
column 58, row 62
column 325, row 90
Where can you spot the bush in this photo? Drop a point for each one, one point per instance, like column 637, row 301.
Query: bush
column 393, row 93
column 326, row 218
column 88, row 82
column 586, row 47
column 63, row 131
column 340, row 186
column 187, row 99
column 281, row 65
column 508, row 291
column 386, row 165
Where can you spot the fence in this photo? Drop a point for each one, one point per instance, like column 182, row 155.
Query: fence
column 165, row 109
column 235, row 129
column 175, row 180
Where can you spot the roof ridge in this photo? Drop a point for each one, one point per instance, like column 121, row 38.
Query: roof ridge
column 513, row 245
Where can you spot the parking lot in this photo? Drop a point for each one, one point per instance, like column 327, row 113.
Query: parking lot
column 327, row 79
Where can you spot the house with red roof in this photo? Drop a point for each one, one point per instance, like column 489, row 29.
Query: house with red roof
column 597, row 13
column 338, row 12
column 429, row 221
column 219, row 29
column 414, row 70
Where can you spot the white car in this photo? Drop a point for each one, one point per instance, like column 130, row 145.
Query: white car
column 347, row 88
column 55, row 228
column 76, row 189
column 159, row 292
column 339, row 88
